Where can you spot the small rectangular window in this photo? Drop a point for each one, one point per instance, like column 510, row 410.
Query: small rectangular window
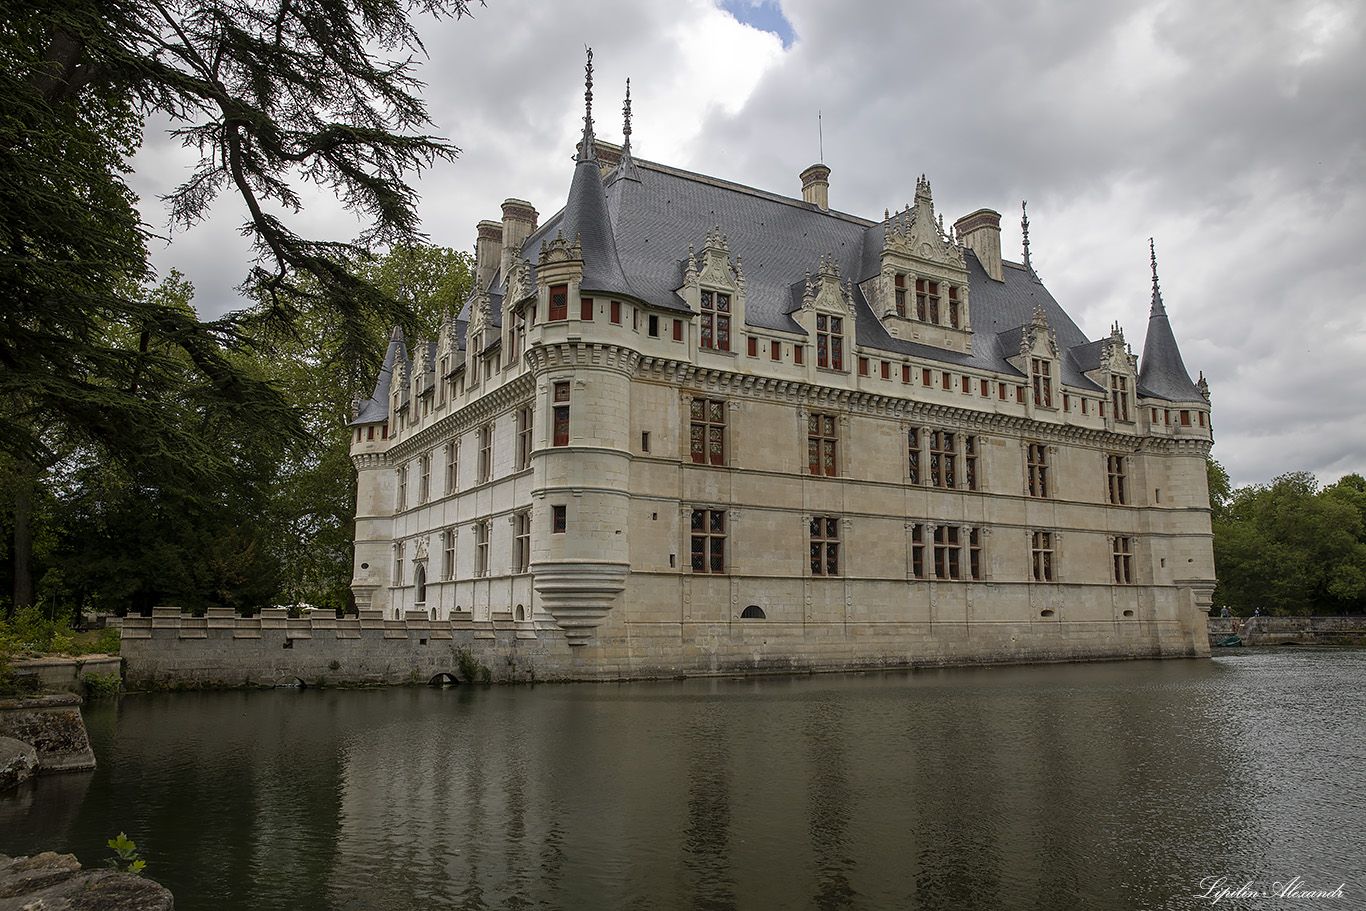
column 678, row 330
column 775, row 351
column 616, row 312
column 558, row 523
column 798, row 352
column 918, row 551
column 1083, row 406
column 967, row 385
column 925, row 378
column 947, row 381
column 1036, row 463
column 1115, row 480
column 825, row 546
column 986, row 388
column 586, row 308
column 1123, row 562
column 863, row 366
column 707, row 439
column 654, row 326
column 1185, row 418
column 1019, row 394
column 821, row 440
column 905, row 373
column 1001, row 390
column 752, row 344
column 645, row 441
column 1041, row 550
column 708, row 540
column 559, row 302
column 1202, row 418
column 886, row 370
column 561, row 414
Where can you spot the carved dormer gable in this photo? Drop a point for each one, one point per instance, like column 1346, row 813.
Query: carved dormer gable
column 1117, row 372
column 445, row 339
column 517, row 283
column 921, row 291
column 714, row 288
column 915, row 232
column 478, row 335
column 826, row 313
column 826, row 292
column 398, row 385
column 560, row 263
column 1039, row 339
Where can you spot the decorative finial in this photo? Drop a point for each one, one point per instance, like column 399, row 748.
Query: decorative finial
column 1152, row 251
column 1024, row 228
column 588, row 90
column 588, row 150
column 626, row 115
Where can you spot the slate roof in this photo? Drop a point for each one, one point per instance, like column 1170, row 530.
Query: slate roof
column 376, row 409
column 636, row 230
column 1161, row 373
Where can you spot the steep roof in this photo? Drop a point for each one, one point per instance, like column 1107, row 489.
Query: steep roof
column 375, row 410
column 1162, row 374
column 636, row 233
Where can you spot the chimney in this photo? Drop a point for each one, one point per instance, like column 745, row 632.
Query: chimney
column 488, row 250
column 816, row 186
column 519, row 221
column 980, row 232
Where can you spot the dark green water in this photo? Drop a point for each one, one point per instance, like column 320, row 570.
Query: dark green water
column 1103, row 786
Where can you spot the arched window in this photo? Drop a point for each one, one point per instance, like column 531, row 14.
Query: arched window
column 519, row 614
column 420, row 582
column 753, row 612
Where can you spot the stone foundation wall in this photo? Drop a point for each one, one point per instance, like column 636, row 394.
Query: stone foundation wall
column 221, row 649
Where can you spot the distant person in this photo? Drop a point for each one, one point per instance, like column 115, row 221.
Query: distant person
column 1257, row 612
column 1224, row 612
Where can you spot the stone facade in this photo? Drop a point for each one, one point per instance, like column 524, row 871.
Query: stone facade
column 687, row 426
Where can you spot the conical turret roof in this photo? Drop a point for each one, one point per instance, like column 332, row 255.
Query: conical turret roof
column 1162, row 374
column 586, row 218
column 376, row 409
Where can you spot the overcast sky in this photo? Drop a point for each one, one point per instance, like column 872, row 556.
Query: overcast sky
column 1232, row 131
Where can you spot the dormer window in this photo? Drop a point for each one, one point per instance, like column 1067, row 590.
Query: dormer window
column 829, row 341
column 901, row 295
column 1119, row 397
column 715, row 321
column 953, row 307
column 927, row 300
column 1043, row 383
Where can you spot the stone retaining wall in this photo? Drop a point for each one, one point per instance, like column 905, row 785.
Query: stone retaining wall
column 172, row 649
column 1347, row 629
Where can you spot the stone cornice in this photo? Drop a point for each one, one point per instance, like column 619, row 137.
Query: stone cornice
column 513, row 392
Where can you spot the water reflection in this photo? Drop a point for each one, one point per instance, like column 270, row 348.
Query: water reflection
column 1102, row 786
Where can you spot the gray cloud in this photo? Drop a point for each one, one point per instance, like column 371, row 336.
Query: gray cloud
column 1232, row 132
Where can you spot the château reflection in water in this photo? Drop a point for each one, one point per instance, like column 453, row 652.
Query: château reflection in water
column 1102, row 786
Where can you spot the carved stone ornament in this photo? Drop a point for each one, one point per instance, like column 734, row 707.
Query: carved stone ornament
column 916, row 232
column 825, row 291
column 560, row 250
column 420, row 549
column 1036, row 332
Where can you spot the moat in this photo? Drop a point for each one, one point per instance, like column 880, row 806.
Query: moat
column 1127, row 785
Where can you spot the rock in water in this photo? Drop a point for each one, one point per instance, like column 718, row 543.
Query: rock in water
column 56, row 881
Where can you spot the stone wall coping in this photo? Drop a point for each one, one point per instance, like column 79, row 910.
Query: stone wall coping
column 41, row 702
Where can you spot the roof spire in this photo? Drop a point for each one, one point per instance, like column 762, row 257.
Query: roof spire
column 1024, row 229
column 626, row 167
column 588, row 150
column 1157, row 292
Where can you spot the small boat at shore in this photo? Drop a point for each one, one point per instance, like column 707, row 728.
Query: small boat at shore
column 1229, row 642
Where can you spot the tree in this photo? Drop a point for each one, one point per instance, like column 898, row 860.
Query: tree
column 267, row 92
column 312, row 506
column 1289, row 548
